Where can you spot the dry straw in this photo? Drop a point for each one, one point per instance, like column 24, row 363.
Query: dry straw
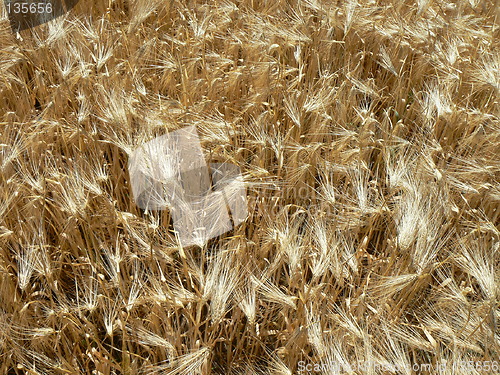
column 368, row 135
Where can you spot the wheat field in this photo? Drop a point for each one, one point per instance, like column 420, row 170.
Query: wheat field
column 368, row 136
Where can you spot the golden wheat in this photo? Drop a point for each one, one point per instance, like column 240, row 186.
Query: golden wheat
column 368, row 136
